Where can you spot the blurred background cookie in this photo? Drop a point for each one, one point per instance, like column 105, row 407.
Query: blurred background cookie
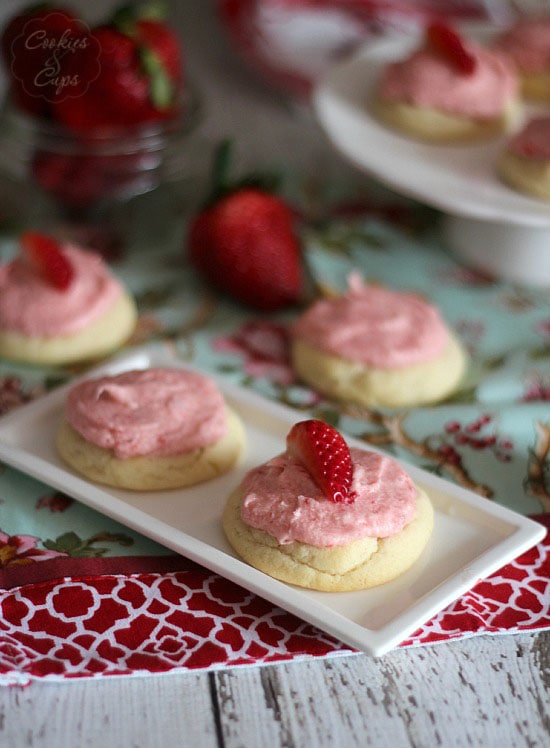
column 376, row 346
column 60, row 304
column 450, row 89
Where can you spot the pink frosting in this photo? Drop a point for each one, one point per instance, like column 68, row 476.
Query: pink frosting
column 528, row 44
column 148, row 412
column 281, row 498
column 376, row 326
column 427, row 80
column 31, row 306
column 533, row 141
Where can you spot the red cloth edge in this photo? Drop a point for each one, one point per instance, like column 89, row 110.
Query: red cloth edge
column 20, row 575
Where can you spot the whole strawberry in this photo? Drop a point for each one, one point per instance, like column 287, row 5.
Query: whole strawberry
column 244, row 242
column 156, row 36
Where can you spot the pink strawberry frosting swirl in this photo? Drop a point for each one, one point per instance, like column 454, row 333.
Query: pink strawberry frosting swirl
column 281, row 498
column 533, row 141
column 30, row 305
column 427, row 80
column 155, row 412
column 376, row 326
column 528, row 44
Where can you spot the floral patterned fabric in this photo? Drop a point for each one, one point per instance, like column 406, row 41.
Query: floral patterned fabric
column 78, row 586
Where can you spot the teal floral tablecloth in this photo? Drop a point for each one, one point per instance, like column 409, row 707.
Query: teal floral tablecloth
column 493, row 436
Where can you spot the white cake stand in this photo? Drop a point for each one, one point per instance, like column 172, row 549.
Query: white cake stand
column 487, row 224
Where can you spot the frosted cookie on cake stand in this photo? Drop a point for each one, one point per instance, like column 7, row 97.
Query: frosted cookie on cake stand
column 524, row 163
column 324, row 516
column 491, row 228
column 377, row 347
column 60, row 304
column 448, row 90
column 527, row 44
column 149, row 430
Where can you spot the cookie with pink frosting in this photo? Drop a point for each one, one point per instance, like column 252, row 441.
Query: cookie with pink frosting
column 524, row 164
column 60, row 304
column 149, row 430
column 449, row 90
column 527, row 44
column 328, row 517
column 377, row 347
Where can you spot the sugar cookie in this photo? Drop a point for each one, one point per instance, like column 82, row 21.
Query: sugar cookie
column 377, row 347
column 281, row 521
column 440, row 98
column 524, row 164
column 150, row 429
column 527, row 44
column 41, row 323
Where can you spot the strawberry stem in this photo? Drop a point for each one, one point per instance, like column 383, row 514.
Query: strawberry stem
column 162, row 90
column 125, row 17
column 124, row 20
column 222, row 185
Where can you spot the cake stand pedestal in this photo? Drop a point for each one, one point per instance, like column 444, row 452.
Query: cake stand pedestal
column 515, row 252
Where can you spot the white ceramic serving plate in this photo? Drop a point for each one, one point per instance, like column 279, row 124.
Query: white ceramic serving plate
column 472, row 537
column 488, row 224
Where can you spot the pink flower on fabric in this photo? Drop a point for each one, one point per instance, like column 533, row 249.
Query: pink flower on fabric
column 55, row 502
column 265, row 348
column 543, row 328
column 22, row 549
column 536, row 389
column 13, row 394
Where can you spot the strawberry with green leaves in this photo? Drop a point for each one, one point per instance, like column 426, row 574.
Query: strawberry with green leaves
column 140, row 79
column 244, row 242
column 324, row 453
column 153, row 34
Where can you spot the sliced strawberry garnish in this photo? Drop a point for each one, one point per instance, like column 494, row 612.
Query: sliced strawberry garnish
column 47, row 257
column 324, row 453
column 445, row 41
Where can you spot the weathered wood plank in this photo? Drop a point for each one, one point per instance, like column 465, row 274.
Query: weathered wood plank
column 120, row 712
column 490, row 691
column 484, row 691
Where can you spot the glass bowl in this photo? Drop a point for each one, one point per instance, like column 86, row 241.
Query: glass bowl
column 120, row 184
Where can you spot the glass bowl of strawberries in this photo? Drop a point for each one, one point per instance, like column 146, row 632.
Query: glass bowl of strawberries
column 94, row 117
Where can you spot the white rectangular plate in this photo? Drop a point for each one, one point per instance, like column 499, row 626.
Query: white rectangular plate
column 472, row 537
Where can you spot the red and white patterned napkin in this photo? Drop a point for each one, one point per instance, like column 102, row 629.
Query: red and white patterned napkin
column 187, row 618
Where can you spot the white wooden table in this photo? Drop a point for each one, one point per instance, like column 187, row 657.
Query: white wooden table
column 485, row 691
